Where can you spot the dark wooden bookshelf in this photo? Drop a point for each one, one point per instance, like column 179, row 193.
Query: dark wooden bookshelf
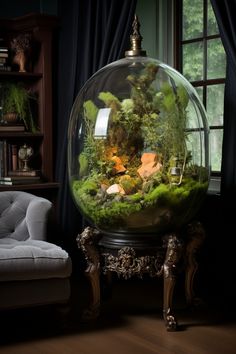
column 38, row 78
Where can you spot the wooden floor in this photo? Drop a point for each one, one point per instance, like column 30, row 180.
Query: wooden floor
column 130, row 322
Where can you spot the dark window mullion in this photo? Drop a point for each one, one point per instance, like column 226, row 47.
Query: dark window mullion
column 205, row 52
column 216, row 127
column 204, row 72
column 205, row 18
column 200, row 39
column 209, row 82
column 180, row 61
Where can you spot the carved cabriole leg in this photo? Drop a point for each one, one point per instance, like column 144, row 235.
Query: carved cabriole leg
column 173, row 255
column 195, row 238
column 87, row 241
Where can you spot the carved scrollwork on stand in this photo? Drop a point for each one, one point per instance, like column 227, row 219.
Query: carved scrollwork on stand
column 127, row 264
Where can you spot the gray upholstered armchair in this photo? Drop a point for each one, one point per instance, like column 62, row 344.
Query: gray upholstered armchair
column 32, row 270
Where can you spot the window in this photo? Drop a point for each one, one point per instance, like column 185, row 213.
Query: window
column 201, row 59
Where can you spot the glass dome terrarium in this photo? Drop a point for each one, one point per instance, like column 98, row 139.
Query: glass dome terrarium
column 138, row 147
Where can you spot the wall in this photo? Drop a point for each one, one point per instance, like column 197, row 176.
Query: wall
column 157, row 28
column 147, row 14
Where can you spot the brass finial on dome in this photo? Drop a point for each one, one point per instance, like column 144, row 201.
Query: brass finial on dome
column 135, row 39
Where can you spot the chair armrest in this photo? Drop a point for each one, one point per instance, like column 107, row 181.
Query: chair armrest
column 37, row 217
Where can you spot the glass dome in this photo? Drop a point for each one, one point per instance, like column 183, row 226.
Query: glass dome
column 138, row 155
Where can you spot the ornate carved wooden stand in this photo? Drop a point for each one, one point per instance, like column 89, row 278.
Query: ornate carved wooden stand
column 156, row 256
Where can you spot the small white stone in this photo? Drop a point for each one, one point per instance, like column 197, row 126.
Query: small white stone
column 115, row 188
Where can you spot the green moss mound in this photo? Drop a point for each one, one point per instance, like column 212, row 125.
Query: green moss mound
column 163, row 207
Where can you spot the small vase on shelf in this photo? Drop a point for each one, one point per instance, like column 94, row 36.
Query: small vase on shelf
column 20, row 59
column 21, row 45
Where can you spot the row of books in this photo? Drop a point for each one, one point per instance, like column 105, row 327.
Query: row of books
column 11, row 167
column 11, row 181
column 4, row 54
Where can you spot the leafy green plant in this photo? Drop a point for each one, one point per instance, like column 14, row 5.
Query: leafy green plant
column 17, row 99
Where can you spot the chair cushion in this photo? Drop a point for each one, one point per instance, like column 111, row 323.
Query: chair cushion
column 32, row 259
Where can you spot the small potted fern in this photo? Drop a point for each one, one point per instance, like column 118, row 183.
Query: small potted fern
column 16, row 105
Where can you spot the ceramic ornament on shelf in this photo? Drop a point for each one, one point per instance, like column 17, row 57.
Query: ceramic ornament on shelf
column 21, row 46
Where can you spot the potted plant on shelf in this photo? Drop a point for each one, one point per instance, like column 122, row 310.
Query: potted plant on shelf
column 16, row 105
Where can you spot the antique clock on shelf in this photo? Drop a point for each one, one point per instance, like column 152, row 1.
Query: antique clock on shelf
column 138, row 161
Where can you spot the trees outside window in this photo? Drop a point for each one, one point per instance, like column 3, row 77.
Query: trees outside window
column 201, row 59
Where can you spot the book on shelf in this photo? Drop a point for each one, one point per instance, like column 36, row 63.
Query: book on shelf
column 3, row 49
column 5, row 68
column 12, row 128
column 3, row 55
column 10, row 181
column 13, row 157
column 3, row 157
column 20, row 173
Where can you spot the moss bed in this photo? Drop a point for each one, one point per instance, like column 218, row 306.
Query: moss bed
column 163, row 207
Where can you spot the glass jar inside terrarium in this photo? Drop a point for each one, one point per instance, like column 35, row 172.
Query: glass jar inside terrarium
column 138, row 155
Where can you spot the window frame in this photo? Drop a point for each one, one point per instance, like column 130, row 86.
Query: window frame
column 178, row 63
